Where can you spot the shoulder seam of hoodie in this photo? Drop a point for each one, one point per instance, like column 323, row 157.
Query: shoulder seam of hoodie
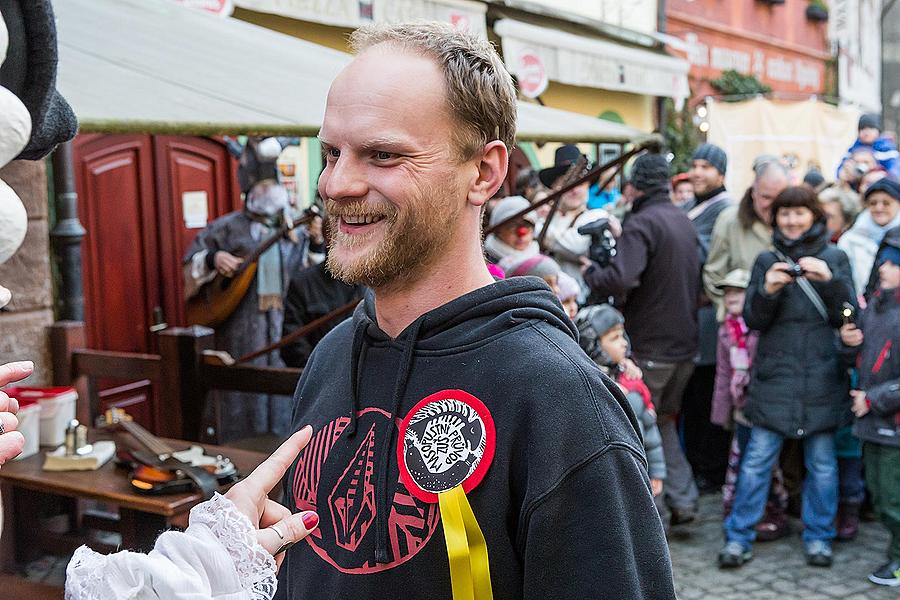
column 584, row 379
column 532, row 506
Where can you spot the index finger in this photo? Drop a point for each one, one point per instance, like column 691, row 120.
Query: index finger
column 270, row 471
column 15, row 371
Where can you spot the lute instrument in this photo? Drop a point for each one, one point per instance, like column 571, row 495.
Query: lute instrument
column 217, row 300
column 158, row 468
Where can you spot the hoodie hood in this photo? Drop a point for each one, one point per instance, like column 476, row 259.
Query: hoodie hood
column 470, row 320
column 475, row 316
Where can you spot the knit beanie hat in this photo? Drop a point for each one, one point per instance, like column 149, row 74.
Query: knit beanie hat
column 888, row 254
column 713, row 155
column 813, row 178
column 567, row 287
column 509, row 206
column 887, row 185
column 534, row 266
column 649, row 171
column 869, row 120
column 593, row 322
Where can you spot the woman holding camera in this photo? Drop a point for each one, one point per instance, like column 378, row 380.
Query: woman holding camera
column 798, row 386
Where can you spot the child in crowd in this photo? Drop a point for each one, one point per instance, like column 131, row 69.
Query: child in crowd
column 734, row 357
column 537, row 265
column 876, row 403
column 601, row 333
column 567, row 292
column 881, row 146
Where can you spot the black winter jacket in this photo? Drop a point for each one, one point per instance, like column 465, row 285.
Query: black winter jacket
column 798, row 383
column 879, row 368
column 313, row 293
column 655, row 279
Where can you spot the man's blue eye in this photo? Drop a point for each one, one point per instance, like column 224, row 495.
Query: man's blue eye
column 383, row 155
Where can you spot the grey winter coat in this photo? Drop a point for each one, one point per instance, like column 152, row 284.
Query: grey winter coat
column 646, row 418
column 798, row 382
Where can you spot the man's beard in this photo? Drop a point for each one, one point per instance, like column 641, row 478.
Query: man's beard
column 411, row 240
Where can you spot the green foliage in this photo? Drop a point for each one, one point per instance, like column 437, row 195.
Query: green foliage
column 681, row 136
column 732, row 83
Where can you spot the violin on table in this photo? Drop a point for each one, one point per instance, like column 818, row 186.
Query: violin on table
column 157, row 468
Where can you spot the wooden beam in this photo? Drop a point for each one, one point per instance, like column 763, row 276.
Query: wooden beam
column 116, row 365
column 259, row 380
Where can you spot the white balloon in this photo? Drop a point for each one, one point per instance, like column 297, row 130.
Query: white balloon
column 13, row 222
column 15, row 126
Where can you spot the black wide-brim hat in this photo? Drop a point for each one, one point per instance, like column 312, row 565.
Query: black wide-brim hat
column 562, row 160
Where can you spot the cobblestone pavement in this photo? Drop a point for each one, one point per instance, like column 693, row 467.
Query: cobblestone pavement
column 778, row 569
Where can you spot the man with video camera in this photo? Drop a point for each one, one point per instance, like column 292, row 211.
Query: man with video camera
column 653, row 280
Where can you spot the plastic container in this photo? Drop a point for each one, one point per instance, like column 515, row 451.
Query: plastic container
column 57, row 409
column 29, row 416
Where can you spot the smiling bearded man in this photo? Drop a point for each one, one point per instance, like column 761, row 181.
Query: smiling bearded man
column 451, row 405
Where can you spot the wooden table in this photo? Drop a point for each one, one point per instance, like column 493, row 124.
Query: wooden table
column 28, row 490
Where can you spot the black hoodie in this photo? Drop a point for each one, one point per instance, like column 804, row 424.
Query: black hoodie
column 565, row 505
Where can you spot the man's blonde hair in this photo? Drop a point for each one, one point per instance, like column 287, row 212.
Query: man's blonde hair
column 480, row 92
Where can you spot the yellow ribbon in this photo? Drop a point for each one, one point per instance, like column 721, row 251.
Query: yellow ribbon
column 470, row 575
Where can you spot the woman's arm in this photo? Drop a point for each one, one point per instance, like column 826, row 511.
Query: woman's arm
column 218, row 556
column 231, row 550
column 760, row 305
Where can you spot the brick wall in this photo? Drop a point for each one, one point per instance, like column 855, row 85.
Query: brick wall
column 23, row 321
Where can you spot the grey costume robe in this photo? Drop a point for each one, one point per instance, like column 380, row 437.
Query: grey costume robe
column 235, row 415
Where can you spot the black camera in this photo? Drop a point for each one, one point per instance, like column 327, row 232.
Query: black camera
column 603, row 242
column 796, row 271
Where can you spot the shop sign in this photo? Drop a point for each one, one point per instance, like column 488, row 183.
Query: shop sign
column 531, row 74
column 804, row 74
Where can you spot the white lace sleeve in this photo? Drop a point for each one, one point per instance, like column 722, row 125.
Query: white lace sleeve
column 216, row 557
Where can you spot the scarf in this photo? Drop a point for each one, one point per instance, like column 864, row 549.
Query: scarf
column 701, row 198
column 265, row 202
column 811, row 243
column 864, row 225
column 738, row 330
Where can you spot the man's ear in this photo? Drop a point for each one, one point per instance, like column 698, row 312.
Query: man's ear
column 491, row 171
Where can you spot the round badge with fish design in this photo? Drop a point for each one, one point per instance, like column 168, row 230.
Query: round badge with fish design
column 447, row 439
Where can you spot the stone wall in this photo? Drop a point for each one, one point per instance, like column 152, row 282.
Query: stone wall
column 23, row 322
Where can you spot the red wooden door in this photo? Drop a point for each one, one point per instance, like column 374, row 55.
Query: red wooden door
column 117, row 205
column 190, row 170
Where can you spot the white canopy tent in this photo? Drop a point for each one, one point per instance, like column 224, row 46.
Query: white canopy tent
column 153, row 66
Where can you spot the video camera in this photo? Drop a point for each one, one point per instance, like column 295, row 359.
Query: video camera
column 603, row 242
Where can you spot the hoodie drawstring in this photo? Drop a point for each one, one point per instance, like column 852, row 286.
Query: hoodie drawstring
column 381, row 502
column 356, row 357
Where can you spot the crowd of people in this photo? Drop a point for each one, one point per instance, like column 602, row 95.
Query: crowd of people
column 754, row 338
column 747, row 344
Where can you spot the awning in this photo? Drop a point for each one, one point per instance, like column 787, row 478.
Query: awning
column 155, row 66
column 577, row 60
column 544, row 124
column 152, row 66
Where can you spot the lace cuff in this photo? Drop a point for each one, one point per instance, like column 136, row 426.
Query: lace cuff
column 255, row 567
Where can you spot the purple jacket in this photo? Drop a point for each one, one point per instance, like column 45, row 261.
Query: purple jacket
column 723, row 401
